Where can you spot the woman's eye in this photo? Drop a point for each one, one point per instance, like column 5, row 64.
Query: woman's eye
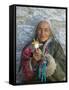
column 39, row 31
column 46, row 30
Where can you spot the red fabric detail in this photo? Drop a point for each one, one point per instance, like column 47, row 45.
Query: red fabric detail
column 28, row 73
column 27, row 53
column 46, row 50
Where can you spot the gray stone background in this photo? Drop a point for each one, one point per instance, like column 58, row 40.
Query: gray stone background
column 27, row 19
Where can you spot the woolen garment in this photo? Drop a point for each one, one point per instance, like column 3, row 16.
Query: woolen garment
column 56, row 68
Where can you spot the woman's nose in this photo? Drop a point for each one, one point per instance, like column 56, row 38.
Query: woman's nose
column 42, row 33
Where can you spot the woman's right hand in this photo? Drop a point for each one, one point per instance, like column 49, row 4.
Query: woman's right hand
column 37, row 54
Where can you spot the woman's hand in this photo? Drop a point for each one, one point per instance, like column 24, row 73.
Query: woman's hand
column 37, row 54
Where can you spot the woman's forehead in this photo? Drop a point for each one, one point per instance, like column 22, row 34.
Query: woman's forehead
column 43, row 24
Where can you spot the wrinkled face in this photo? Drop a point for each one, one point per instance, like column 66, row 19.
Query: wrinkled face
column 43, row 31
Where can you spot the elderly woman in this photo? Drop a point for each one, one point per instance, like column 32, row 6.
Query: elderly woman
column 46, row 62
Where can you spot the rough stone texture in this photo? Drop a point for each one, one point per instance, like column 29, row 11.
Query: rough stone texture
column 27, row 19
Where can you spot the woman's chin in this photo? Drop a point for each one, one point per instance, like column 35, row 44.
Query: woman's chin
column 38, row 58
column 43, row 40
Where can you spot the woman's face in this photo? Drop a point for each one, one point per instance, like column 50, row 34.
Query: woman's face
column 43, row 31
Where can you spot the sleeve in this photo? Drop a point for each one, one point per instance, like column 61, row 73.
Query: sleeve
column 51, row 65
column 25, row 54
column 60, row 71
column 60, row 57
